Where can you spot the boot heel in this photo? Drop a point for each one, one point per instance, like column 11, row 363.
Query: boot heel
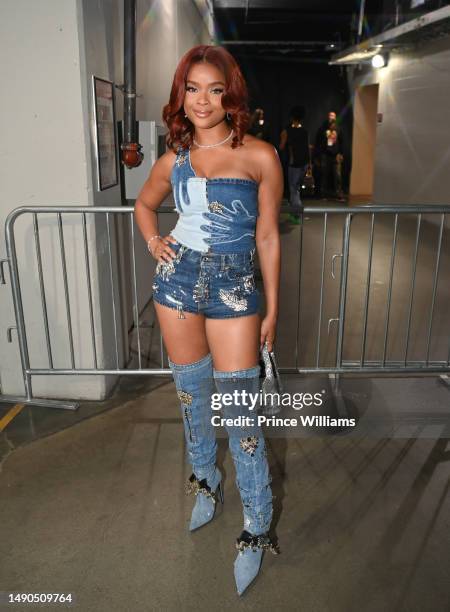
column 220, row 490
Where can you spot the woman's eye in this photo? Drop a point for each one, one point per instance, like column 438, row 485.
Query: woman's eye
column 216, row 90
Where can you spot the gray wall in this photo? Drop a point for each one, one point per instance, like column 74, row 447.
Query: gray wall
column 53, row 48
column 412, row 145
column 44, row 162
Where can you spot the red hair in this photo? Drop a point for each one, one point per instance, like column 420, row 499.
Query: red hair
column 234, row 98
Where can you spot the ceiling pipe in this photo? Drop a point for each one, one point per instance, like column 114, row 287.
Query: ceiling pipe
column 362, row 8
column 279, row 43
column 132, row 154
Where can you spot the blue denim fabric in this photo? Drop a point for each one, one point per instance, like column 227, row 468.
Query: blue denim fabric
column 217, row 285
column 216, row 215
column 248, row 448
column 195, row 385
column 295, row 177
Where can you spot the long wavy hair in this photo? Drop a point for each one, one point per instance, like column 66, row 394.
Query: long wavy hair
column 234, row 98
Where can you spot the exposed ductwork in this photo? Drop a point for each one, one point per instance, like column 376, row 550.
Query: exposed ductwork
column 132, row 154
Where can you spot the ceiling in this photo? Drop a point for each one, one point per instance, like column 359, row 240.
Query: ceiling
column 288, row 30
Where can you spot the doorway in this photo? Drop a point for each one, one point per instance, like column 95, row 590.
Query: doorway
column 364, row 141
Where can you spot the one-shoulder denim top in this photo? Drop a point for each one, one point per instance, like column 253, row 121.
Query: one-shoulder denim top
column 216, row 215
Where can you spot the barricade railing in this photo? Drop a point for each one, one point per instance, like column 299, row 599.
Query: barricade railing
column 100, row 249
column 408, row 269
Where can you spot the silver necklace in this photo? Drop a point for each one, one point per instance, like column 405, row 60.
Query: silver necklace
column 214, row 145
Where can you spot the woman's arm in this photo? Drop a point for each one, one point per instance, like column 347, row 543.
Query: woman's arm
column 283, row 140
column 268, row 236
column 156, row 188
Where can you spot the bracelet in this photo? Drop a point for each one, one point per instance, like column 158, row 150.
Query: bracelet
column 152, row 238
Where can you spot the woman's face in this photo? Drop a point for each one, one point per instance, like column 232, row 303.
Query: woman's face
column 205, row 85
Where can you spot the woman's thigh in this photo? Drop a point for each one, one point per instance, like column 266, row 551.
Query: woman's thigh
column 234, row 342
column 185, row 339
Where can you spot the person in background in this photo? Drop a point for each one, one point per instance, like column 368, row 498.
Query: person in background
column 329, row 152
column 295, row 139
column 334, row 147
column 258, row 126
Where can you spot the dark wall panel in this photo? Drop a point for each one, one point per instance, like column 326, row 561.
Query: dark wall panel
column 276, row 86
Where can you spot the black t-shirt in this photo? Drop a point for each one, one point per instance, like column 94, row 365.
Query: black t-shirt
column 329, row 142
column 297, row 143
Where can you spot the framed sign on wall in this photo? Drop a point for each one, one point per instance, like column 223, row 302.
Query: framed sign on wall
column 105, row 133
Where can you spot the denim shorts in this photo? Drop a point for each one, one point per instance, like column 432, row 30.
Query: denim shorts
column 217, row 285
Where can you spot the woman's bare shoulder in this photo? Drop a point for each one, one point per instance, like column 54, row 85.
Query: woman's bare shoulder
column 261, row 152
column 258, row 147
column 167, row 159
column 164, row 164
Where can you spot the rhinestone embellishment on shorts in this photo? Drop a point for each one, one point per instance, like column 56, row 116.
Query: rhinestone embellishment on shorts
column 200, row 292
column 167, row 268
column 248, row 283
column 233, row 300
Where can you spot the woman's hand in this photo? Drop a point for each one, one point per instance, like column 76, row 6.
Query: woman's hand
column 268, row 331
column 160, row 249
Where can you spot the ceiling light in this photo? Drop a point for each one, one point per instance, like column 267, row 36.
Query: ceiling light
column 378, row 61
column 356, row 55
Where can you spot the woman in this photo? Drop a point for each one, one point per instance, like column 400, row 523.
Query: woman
column 204, row 290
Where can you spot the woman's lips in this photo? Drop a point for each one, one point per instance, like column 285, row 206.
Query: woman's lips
column 202, row 115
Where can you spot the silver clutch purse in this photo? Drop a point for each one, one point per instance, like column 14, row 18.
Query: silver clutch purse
column 270, row 383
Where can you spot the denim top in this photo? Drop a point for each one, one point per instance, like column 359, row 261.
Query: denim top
column 216, row 215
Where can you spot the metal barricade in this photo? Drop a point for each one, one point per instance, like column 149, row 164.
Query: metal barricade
column 110, row 254
column 81, row 213
column 359, row 363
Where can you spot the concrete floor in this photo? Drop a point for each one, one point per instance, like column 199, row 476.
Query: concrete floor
column 99, row 510
column 96, row 506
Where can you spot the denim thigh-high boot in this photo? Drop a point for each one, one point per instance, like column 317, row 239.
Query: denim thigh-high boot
column 247, row 446
column 195, row 385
